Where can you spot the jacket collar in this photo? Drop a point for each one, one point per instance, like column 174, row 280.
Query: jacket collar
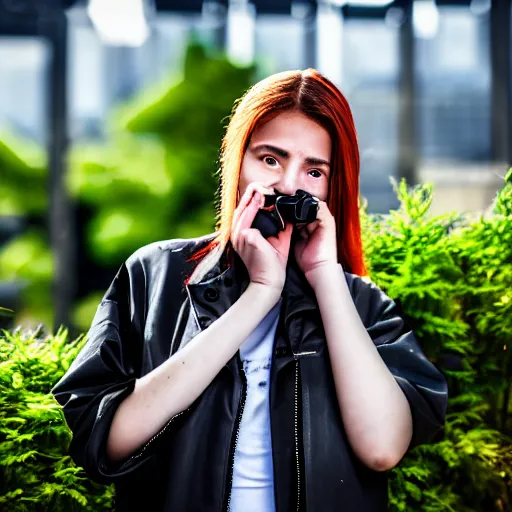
column 223, row 285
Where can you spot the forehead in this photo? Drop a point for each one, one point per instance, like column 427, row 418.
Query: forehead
column 295, row 133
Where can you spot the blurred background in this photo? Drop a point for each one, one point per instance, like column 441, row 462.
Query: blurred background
column 112, row 112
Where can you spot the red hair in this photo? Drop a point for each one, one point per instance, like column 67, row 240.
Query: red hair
column 319, row 99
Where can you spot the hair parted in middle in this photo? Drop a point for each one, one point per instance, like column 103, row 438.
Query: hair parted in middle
column 315, row 96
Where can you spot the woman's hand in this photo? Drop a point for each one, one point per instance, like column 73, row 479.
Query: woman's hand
column 265, row 259
column 317, row 246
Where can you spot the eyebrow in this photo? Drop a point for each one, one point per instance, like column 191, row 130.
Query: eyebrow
column 285, row 154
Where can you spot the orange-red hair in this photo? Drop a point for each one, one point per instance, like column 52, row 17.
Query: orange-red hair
column 309, row 92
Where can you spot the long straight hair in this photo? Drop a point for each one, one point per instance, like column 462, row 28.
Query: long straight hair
column 308, row 92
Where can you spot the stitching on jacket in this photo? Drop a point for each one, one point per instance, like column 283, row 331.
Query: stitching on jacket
column 304, row 354
column 108, row 301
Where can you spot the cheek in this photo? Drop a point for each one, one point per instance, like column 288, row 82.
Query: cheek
column 252, row 171
column 319, row 190
column 244, row 179
column 325, row 191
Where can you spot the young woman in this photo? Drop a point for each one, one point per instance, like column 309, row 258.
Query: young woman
column 234, row 372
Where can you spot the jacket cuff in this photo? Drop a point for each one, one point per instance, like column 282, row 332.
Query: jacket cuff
column 425, row 427
column 96, row 462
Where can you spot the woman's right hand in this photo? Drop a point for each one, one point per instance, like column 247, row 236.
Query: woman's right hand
column 265, row 259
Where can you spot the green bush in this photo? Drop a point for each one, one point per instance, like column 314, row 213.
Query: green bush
column 27, row 259
column 452, row 277
column 158, row 161
column 22, row 162
column 36, row 473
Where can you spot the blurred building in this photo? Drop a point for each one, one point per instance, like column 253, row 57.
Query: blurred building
column 360, row 51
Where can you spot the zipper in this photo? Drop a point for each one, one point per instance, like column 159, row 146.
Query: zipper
column 296, row 427
column 238, row 420
column 157, row 435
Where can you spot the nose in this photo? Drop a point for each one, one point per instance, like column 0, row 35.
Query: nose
column 288, row 184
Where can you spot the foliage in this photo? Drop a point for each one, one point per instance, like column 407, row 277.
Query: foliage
column 22, row 162
column 452, row 277
column 28, row 260
column 35, row 471
column 160, row 161
column 153, row 178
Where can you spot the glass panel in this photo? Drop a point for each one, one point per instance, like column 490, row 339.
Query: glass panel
column 453, row 77
column 370, row 74
column 23, row 64
column 279, row 44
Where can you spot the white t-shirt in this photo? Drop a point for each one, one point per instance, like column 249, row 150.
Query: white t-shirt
column 253, row 479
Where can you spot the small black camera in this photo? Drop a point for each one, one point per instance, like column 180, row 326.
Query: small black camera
column 299, row 208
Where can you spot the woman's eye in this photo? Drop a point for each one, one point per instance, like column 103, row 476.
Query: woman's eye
column 319, row 174
column 270, row 160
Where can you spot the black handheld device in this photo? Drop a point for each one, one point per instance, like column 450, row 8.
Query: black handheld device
column 299, row 208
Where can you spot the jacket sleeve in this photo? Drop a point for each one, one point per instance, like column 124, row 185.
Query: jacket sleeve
column 424, row 386
column 100, row 378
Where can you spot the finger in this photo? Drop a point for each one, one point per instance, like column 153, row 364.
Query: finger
column 311, row 227
column 323, row 214
column 282, row 235
column 255, row 186
column 253, row 238
column 282, row 241
column 246, row 217
column 242, row 220
column 262, row 188
column 245, row 200
column 303, row 232
column 251, row 190
column 235, row 223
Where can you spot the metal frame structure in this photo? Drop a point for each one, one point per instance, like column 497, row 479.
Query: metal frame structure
column 47, row 19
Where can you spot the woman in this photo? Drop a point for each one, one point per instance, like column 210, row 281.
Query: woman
column 234, row 372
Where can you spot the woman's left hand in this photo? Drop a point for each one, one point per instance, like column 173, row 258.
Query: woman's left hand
column 318, row 244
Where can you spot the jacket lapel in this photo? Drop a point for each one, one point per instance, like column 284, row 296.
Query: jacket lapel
column 215, row 294
column 222, row 287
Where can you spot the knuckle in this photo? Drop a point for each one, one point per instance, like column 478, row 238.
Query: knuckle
column 249, row 236
column 252, row 187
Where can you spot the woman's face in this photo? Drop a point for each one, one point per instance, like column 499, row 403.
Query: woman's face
column 287, row 153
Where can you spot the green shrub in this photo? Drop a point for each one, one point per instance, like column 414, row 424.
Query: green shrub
column 452, row 276
column 36, row 473
column 27, row 259
column 22, row 162
column 158, row 161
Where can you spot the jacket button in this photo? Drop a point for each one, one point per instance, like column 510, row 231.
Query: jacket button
column 211, row 294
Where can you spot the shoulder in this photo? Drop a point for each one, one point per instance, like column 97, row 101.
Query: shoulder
column 362, row 285
column 177, row 249
column 371, row 302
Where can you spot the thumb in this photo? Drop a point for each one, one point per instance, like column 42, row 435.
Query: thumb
column 281, row 242
column 288, row 228
column 285, row 238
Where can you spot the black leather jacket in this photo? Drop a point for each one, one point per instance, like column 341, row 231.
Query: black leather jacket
column 148, row 314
